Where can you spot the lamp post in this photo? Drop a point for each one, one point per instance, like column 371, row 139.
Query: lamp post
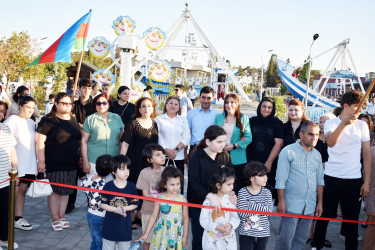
column 261, row 76
column 308, row 72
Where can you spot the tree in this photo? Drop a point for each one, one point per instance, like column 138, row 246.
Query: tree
column 272, row 76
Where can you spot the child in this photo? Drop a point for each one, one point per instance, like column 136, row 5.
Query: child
column 117, row 225
column 172, row 226
column 254, row 229
column 95, row 214
column 219, row 227
column 50, row 104
column 154, row 156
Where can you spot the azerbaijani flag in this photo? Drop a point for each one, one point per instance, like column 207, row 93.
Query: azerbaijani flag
column 74, row 39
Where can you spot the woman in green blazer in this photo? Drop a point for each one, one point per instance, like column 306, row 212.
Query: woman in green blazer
column 237, row 127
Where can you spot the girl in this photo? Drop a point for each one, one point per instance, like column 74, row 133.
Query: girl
column 172, row 226
column 254, row 229
column 14, row 108
column 219, row 227
column 296, row 116
column 117, row 229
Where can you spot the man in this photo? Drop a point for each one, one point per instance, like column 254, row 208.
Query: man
column 106, row 88
column 370, row 110
column 49, row 105
column 192, row 93
column 82, row 108
column 299, row 182
column 95, row 89
column 346, row 137
column 201, row 117
column 184, row 101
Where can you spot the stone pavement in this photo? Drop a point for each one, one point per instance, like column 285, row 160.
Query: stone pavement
column 77, row 237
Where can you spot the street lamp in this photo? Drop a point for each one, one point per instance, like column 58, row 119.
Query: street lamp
column 261, row 76
column 308, row 72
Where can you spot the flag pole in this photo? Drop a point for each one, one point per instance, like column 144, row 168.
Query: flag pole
column 77, row 76
column 365, row 96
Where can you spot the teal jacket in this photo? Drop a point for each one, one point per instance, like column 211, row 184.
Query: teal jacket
column 238, row 155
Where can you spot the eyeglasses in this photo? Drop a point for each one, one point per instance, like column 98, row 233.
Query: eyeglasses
column 176, row 90
column 101, row 103
column 66, row 103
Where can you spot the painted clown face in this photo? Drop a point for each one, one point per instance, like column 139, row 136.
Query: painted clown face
column 103, row 77
column 99, row 47
column 160, row 71
column 123, row 24
column 154, row 38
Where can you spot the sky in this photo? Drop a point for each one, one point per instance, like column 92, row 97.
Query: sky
column 241, row 31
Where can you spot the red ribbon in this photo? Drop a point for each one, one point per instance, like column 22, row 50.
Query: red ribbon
column 5, row 180
column 198, row 205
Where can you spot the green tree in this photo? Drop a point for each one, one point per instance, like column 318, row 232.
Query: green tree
column 272, row 78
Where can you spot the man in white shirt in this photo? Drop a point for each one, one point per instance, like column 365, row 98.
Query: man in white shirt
column 346, row 137
column 370, row 110
column 192, row 93
column 186, row 104
column 50, row 103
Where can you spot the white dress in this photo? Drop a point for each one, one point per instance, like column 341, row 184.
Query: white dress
column 213, row 239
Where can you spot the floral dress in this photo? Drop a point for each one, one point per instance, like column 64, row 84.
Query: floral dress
column 169, row 228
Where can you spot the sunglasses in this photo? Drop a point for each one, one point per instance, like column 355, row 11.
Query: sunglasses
column 101, row 103
column 66, row 103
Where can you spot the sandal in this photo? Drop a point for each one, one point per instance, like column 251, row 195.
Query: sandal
column 64, row 223
column 56, row 225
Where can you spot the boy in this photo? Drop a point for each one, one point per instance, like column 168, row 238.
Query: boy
column 50, row 104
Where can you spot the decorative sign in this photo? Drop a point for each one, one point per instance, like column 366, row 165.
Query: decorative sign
column 198, row 81
column 154, row 38
column 159, row 71
column 158, row 87
column 136, row 92
column 178, row 80
column 99, row 47
column 100, row 76
column 123, row 24
column 205, row 79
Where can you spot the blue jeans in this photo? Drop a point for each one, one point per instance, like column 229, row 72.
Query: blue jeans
column 294, row 233
column 95, row 225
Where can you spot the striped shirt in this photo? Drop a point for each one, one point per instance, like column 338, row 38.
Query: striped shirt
column 254, row 225
column 299, row 173
column 7, row 142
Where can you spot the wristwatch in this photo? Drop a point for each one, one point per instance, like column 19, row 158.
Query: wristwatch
column 177, row 149
column 234, row 146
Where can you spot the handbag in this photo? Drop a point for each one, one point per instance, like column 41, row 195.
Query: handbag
column 170, row 164
column 38, row 189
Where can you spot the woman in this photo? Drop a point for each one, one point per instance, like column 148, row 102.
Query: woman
column 147, row 91
column 208, row 156
column 237, row 128
column 174, row 132
column 14, row 107
column 57, row 148
column 23, row 129
column 268, row 134
column 101, row 134
column 8, row 160
column 296, row 116
column 3, row 110
column 366, row 118
column 141, row 131
column 122, row 106
column 369, row 240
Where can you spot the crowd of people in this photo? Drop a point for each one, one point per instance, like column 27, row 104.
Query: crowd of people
column 233, row 161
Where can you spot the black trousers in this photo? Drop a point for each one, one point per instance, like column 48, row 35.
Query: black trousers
column 196, row 228
column 347, row 193
column 239, row 181
column 4, row 210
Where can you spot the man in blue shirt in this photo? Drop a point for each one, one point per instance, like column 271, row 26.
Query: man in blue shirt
column 202, row 117
column 299, row 182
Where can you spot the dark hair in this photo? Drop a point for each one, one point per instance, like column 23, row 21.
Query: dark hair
column 19, row 92
column 25, row 99
column 51, row 96
column 138, row 106
column 85, row 82
column 337, row 111
column 120, row 90
column 179, row 86
column 148, row 150
column 5, row 108
column 219, row 176
column 297, row 102
column 351, row 97
column 172, row 97
column 97, row 98
column 118, row 161
column 58, row 97
column 237, row 114
column 305, row 125
column 369, row 123
column 103, row 165
column 147, row 88
column 253, row 168
column 105, row 85
column 168, row 172
column 207, row 90
column 211, row 133
column 94, row 83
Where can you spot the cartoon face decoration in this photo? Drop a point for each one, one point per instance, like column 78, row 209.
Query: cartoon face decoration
column 99, row 47
column 160, row 71
column 100, row 76
column 123, row 24
column 154, row 38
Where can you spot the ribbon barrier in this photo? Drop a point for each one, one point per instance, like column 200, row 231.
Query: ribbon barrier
column 5, row 181
column 198, row 205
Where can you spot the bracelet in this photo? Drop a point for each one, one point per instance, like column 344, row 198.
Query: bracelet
column 366, row 183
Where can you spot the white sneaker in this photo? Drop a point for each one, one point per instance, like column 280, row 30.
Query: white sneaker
column 343, row 237
column 3, row 244
column 23, row 224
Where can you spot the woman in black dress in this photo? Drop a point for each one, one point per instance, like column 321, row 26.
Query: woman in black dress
column 296, row 116
column 57, row 147
column 122, row 106
column 267, row 131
